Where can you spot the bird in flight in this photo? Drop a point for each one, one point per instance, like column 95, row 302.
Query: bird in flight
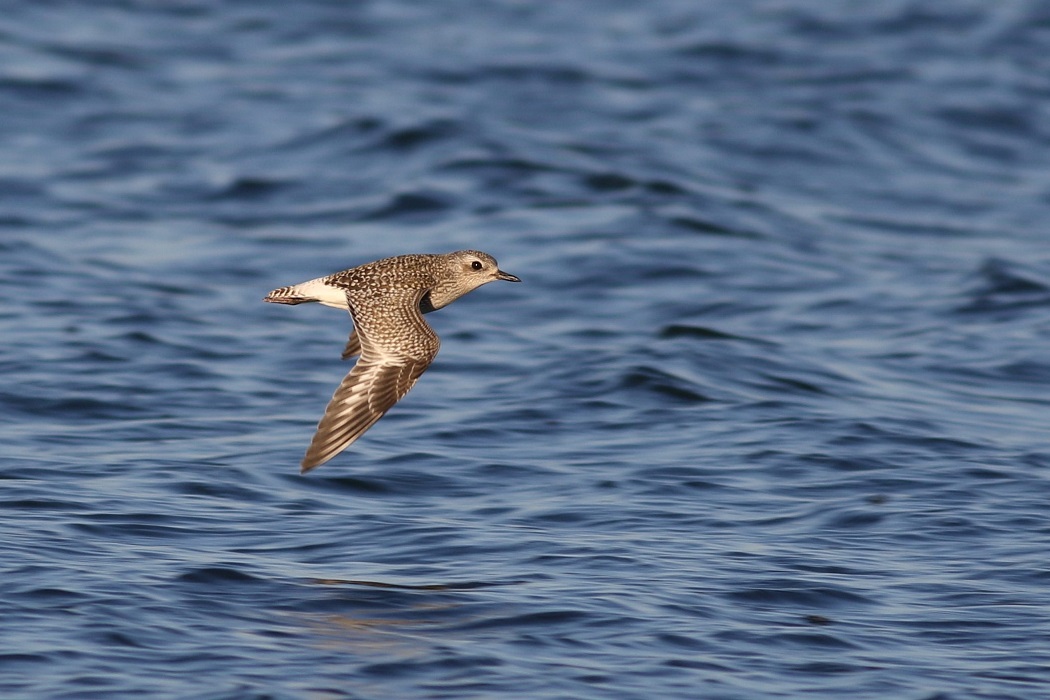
column 386, row 300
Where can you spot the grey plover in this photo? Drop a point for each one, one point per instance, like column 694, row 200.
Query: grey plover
column 386, row 300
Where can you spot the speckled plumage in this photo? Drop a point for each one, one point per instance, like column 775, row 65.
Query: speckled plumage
column 386, row 300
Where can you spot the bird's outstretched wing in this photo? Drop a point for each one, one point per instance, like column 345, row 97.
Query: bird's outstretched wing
column 390, row 364
column 370, row 389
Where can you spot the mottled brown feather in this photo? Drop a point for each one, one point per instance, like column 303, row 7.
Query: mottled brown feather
column 353, row 346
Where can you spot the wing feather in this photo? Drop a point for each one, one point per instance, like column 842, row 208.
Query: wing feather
column 353, row 346
column 364, row 396
column 386, row 369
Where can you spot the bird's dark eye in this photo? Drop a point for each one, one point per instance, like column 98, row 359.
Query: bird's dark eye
column 476, row 265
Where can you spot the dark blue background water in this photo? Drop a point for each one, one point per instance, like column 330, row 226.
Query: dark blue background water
column 768, row 418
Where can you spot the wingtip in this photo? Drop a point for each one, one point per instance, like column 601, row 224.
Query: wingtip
column 313, row 461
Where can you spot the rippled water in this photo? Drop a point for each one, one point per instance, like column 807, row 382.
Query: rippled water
column 768, row 417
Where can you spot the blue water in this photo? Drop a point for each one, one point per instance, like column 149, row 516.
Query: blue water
column 768, row 418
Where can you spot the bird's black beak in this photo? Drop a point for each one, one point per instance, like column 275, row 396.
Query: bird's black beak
column 506, row 277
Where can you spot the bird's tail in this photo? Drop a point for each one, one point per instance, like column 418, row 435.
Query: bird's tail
column 288, row 295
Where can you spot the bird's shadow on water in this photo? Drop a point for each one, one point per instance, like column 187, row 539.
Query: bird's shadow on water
column 383, row 622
